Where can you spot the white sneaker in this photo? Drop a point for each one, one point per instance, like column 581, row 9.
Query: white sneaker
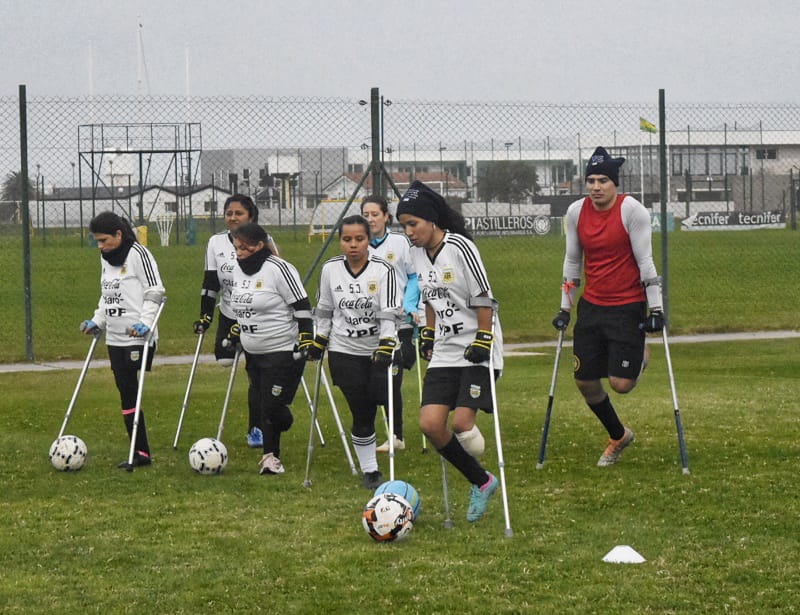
column 270, row 464
column 399, row 445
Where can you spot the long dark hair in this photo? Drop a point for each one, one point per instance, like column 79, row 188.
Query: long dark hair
column 246, row 202
column 109, row 223
column 452, row 220
column 251, row 233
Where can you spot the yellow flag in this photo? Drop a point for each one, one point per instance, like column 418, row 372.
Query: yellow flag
column 647, row 126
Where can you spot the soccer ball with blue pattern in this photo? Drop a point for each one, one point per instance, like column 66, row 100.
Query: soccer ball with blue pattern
column 387, row 517
column 405, row 491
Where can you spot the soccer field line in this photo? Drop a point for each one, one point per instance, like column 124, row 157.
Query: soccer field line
column 511, row 350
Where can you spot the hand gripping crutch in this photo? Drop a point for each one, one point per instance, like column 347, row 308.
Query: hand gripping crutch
column 678, row 422
column 142, row 371
column 228, row 392
column 311, row 410
column 188, row 389
column 95, row 337
column 314, row 407
column 546, row 429
column 339, row 425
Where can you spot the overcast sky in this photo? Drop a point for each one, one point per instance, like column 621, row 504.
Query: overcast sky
column 532, row 50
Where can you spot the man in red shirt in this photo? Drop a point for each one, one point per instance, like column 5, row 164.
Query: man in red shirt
column 609, row 238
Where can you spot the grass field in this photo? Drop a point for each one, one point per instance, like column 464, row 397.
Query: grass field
column 719, row 281
column 165, row 540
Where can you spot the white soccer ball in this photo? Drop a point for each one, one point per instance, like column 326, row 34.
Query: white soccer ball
column 388, row 517
column 68, row 453
column 208, row 456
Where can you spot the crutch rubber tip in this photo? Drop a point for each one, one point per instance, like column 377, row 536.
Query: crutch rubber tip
column 686, row 471
column 448, row 524
column 306, row 484
column 509, row 532
column 129, row 467
column 539, row 466
column 424, row 451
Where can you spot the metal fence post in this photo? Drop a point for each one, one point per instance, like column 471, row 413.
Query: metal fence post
column 26, row 222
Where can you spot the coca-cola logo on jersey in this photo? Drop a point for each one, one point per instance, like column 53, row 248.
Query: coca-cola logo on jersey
column 111, row 284
column 227, row 268
column 245, row 298
column 360, row 303
column 435, row 293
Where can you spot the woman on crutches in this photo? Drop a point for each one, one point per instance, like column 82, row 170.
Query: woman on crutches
column 358, row 305
column 275, row 329
column 395, row 248
column 131, row 293
column 461, row 333
column 220, row 262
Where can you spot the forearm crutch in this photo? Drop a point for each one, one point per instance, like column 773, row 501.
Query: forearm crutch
column 228, row 392
column 138, row 411
column 492, row 303
column 419, row 386
column 317, row 382
column 546, row 429
column 95, row 337
column 339, row 425
column 188, row 389
column 311, row 410
column 678, row 422
column 448, row 522
column 390, row 412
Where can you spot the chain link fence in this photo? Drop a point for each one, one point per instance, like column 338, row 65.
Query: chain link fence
column 169, row 163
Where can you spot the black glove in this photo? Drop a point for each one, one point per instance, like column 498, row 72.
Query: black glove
column 202, row 325
column 304, row 343
column 426, row 343
column 654, row 322
column 385, row 352
column 480, row 349
column 561, row 321
column 317, row 348
column 233, row 339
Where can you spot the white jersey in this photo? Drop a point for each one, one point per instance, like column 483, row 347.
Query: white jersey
column 355, row 311
column 262, row 303
column 129, row 294
column 396, row 249
column 447, row 283
column 221, row 257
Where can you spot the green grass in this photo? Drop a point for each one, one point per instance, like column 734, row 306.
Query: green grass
column 719, row 281
column 165, row 540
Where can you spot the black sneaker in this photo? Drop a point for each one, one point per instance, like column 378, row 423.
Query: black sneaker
column 372, row 480
column 139, row 459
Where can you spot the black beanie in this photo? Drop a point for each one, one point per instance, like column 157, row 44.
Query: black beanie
column 420, row 201
column 601, row 163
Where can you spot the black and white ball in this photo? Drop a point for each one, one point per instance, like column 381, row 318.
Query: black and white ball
column 68, row 453
column 388, row 517
column 208, row 456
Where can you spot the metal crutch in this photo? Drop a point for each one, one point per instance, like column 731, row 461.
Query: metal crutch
column 92, row 346
column 546, row 429
column 188, row 389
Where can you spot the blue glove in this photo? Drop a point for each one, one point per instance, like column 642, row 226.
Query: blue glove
column 89, row 327
column 139, row 330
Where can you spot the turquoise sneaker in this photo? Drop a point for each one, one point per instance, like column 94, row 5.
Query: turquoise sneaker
column 255, row 439
column 479, row 498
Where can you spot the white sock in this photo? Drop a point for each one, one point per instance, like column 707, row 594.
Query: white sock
column 365, row 451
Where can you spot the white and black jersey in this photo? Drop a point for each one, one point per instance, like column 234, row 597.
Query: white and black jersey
column 221, row 258
column 129, row 294
column 447, row 283
column 262, row 305
column 356, row 310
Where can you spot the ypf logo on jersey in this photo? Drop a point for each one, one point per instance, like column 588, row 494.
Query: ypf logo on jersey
column 372, row 287
column 448, row 276
column 474, row 391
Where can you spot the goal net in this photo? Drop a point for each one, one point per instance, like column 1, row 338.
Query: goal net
column 164, row 224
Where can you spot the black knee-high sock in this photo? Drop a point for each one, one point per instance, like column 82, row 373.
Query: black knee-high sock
column 272, row 439
column 464, row 462
column 141, row 432
column 608, row 417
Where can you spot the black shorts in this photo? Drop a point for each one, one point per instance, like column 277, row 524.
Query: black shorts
column 457, row 387
column 608, row 340
column 359, row 377
column 129, row 358
column 275, row 376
